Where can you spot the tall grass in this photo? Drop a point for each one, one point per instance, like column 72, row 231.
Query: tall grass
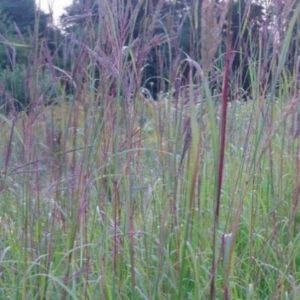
column 108, row 195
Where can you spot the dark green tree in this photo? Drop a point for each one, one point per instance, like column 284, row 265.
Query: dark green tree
column 177, row 23
column 22, row 29
column 17, row 22
column 22, row 13
column 247, row 21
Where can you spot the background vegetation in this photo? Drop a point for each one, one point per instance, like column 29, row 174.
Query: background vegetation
column 150, row 150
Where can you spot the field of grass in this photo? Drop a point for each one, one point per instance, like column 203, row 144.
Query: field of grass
column 119, row 197
column 108, row 212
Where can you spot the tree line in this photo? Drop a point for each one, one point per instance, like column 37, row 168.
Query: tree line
column 155, row 44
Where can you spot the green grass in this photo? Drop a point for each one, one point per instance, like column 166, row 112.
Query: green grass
column 60, row 240
column 97, row 200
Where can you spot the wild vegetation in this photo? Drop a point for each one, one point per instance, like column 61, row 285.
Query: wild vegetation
column 150, row 150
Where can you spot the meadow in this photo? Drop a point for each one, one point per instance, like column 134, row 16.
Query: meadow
column 108, row 194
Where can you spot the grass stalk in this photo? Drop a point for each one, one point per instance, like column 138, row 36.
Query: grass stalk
column 225, row 94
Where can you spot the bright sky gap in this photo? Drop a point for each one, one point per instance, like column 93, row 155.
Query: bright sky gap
column 56, row 6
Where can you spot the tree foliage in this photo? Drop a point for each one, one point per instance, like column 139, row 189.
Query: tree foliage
column 22, row 13
column 164, row 40
column 22, row 28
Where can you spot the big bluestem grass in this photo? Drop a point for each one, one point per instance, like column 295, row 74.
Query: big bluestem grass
column 107, row 195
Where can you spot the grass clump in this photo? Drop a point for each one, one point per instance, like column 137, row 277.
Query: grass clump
column 107, row 194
